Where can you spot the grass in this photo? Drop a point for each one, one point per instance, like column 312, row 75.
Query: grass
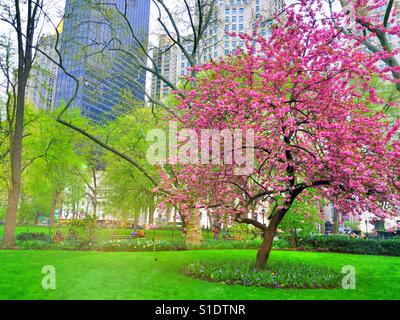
column 158, row 275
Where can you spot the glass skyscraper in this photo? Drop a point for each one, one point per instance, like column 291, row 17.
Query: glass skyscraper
column 100, row 47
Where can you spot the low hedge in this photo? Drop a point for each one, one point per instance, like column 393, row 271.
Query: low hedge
column 29, row 236
column 332, row 243
column 343, row 243
column 141, row 245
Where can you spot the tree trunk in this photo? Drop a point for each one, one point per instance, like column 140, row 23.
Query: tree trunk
column 322, row 215
column 36, row 218
column 265, row 249
column 183, row 220
column 94, row 205
column 16, row 160
column 268, row 235
column 151, row 215
column 294, row 235
column 210, row 221
column 53, row 207
column 11, row 216
column 60, row 213
column 336, row 222
column 194, row 235
column 322, row 226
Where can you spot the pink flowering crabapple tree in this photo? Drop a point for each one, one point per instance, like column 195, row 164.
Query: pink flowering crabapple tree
column 376, row 24
column 306, row 94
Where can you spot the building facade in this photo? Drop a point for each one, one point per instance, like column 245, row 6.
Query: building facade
column 166, row 56
column 236, row 16
column 41, row 89
column 100, row 49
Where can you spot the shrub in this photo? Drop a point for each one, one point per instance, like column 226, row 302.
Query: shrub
column 117, row 245
column 279, row 274
column 141, row 245
column 342, row 243
column 242, row 231
column 85, row 230
column 28, row 236
column 280, row 244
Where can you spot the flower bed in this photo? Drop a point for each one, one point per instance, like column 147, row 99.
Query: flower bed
column 279, row 274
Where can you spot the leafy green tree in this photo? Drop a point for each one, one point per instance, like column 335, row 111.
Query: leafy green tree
column 129, row 193
column 302, row 218
column 51, row 160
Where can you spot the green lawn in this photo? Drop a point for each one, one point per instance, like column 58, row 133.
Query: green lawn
column 156, row 275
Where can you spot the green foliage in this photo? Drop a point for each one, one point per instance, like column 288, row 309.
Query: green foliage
column 83, row 230
column 129, row 190
column 77, row 239
column 228, row 244
column 354, row 225
column 51, row 160
column 241, row 231
column 280, row 244
column 279, row 274
column 302, row 218
column 337, row 243
column 36, row 236
column 138, row 245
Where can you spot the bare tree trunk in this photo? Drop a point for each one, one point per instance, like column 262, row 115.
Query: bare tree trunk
column 16, row 160
column 265, row 249
column 151, row 215
column 269, row 234
column 336, row 222
column 95, row 192
column 94, row 205
column 36, row 217
column 210, row 221
column 322, row 224
column 194, row 235
column 60, row 213
column 53, row 207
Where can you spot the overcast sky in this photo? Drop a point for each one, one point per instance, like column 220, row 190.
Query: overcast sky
column 56, row 9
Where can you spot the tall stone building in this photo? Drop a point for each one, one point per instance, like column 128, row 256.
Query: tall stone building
column 237, row 16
